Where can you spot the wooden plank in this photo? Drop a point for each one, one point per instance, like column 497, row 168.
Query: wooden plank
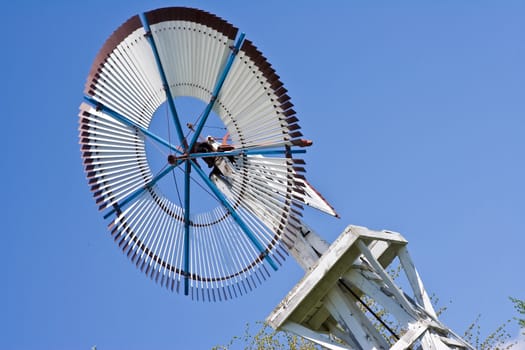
column 389, row 236
column 313, row 336
column 317, row 282
column 410, row 336
column 416, row 283
column 318, row 317
column 392, row 287
column 350, row 317
column 383, row 244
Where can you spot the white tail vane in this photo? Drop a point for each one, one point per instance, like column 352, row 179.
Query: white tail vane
column 257, row 181
column 315, row 200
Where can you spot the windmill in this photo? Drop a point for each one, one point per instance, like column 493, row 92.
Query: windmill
column 214, row 215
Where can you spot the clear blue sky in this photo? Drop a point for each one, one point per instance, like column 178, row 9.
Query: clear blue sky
column 417, row 113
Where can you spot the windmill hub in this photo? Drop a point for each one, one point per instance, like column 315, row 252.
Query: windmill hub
column 172, row 159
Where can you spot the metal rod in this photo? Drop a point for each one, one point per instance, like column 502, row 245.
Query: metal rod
column 224, row 201
column 169, row 97
column 130, row 123
column 187, row 227
column 217, row 89
column 237, row 152
column 369, row 309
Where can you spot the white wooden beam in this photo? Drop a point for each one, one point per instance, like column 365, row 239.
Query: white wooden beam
column 344, row 309
column 388, row 236
column 315, row 337
column 410, row 336
column 374, row 291
column 415, row 281
column 317, row 282
column 392, row 287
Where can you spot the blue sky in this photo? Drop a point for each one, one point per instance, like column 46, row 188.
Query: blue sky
column 417, row 114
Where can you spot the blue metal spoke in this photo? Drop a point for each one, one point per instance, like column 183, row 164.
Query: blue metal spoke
column 217, row 89
column 169, row 97
column 187, row 179
column 130, row 123
column 140, row 190
column 224, row 201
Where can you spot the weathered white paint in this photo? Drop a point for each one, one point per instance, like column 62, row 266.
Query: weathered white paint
column 326, row 300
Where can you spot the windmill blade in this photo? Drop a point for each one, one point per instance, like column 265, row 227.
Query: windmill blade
column 153, row 60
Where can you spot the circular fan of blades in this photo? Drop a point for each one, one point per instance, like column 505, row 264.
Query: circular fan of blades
column 255, row 180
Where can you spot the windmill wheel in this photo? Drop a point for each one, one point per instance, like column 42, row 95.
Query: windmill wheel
column 220, row 244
